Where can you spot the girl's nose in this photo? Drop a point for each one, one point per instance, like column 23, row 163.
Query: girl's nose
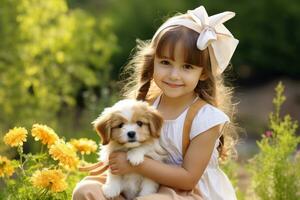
column 174, row 73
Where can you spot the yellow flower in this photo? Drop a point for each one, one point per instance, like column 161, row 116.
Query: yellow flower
column 15, row 137
column 54, row 180
column 44, row 133
column 84, row 145
column 6, row 167
column 64, row 152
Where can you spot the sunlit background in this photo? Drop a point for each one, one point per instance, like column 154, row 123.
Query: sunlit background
column 60, row 59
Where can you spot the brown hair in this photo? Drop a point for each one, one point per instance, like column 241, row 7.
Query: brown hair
column 139, row 84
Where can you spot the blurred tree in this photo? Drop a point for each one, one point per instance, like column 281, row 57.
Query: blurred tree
column 132, row 20
column 48, row 55
column 268, row 30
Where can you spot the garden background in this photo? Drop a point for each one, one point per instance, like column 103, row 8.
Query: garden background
column 60, row 62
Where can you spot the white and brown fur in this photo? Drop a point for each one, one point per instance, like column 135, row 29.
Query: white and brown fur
column 134, row 127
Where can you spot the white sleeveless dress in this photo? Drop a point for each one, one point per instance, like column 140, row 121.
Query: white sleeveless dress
column 214, row 184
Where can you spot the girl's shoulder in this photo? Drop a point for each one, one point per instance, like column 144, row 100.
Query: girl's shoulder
column 207, row 117
column 209, row 111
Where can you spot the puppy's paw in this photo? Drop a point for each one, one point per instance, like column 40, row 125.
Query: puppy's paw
column 110, row 192
column 135, row 157
column 148, row 187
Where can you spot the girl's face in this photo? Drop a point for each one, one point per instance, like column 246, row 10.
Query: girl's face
column 175, row 77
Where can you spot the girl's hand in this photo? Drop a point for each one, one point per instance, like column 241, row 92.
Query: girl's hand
column 119, row 164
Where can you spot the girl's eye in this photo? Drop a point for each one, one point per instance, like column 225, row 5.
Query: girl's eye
column 139, row 123
column 120, row 125
column 187, row 66
column 164, row 62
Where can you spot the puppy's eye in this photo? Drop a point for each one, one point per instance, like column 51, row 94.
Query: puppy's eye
column 120, row 125
column 139, row 123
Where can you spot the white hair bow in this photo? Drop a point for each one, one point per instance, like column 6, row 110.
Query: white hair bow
column 212, row 34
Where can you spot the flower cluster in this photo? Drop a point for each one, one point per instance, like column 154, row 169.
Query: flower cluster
column 64, row 153
column 55, row 180
column 15, row 137
column 44, row 133
column 48, row 171
column 84, row 145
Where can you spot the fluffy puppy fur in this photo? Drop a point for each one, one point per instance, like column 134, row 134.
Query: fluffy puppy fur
column 133, row 127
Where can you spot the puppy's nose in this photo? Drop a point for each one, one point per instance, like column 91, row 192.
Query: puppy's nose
column 131, row 134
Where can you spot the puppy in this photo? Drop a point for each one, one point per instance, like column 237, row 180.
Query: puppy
column 134, row 127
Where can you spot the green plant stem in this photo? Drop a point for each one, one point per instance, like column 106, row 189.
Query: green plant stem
column 46, row 193
column 42, row 195
column 42, row 149
column 68, row 174
column 26, row 160
column 20, row 151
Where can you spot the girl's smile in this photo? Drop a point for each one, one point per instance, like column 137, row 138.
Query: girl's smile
column 172, row 85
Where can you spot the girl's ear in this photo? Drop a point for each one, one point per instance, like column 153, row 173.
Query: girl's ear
column 103, row 128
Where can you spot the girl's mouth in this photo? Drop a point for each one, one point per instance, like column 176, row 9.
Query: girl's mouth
column 172, row 85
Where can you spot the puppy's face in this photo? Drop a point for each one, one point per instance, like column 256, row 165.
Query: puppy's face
column 129, row 123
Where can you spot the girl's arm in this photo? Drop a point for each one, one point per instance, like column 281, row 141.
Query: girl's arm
column 186, row 177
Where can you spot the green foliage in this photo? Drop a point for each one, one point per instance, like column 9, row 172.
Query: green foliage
column 275, row 170
column 49, row 55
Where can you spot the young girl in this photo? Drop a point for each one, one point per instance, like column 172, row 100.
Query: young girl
column 183, row 63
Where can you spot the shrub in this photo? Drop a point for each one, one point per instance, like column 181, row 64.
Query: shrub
column 51, row 57
column 275, row 169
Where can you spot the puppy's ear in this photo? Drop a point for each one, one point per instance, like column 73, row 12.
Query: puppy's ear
column 156, row 122
column 103, row 128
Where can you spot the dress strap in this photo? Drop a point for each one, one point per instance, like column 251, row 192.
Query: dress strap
column 192, row 111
